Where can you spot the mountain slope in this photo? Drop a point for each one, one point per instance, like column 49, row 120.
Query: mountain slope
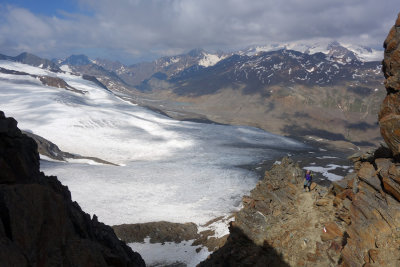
column 283, row 91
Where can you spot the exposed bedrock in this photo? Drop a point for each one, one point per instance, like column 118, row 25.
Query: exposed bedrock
column 389, row 115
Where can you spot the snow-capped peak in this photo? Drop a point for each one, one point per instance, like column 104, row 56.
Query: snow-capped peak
column 209, row 60
column 325, row 46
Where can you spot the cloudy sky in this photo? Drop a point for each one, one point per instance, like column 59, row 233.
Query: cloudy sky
column 136, row 30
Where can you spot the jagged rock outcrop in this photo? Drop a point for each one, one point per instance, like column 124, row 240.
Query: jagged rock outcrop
column 389, row 116
column 368, row 202
column 39, row 223
column 354, row 222
column 281, row 225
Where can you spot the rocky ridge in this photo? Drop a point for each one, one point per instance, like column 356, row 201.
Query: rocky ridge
column 389, row 115
column 46, row 80
column 281, row 225
column 39, row 223
column 354, row 222
column 52, row 151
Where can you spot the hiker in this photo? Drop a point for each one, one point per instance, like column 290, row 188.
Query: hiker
column 308, row 180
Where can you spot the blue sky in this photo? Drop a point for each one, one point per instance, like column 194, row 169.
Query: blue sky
column 136, row 30
column 48, row 8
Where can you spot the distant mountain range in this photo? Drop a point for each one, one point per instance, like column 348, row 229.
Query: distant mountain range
column 291, row 89
column 32, row 60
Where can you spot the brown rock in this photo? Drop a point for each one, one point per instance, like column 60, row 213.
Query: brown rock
column 394, row 173
column 345, row 217
column 313, row 185
column 246, row 199
column 337, row 201
column 346, row 193
column 383, row 165
column 367, row 173
column 322, row 202
column 390, row 130
column 336, row 247
column 391, row 187
column 331, row 232
column 373, row 255
column 389, row 116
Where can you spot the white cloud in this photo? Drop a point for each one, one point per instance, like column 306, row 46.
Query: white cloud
column 144, row 28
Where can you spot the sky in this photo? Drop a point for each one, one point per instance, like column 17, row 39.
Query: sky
column 140, row 30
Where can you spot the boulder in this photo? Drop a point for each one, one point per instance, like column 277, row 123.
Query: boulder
column 331, row 231
column 368, row 174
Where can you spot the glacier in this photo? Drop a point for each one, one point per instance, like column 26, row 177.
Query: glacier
column 170, row 170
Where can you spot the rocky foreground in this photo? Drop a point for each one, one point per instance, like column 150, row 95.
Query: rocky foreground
column 39, row 223
column 354, row 222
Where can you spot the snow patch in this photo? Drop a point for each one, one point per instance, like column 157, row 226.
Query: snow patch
column 157, row 254
column 65, row 68
column 210, row 60
column 325, row 171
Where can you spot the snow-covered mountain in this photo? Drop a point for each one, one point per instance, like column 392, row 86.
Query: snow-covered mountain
column 265, row 69
column 327, row 47
column 117, row 75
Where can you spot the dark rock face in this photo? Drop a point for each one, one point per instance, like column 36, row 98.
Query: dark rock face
column 51, row 150
column 389, row 116
column 39, row 223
